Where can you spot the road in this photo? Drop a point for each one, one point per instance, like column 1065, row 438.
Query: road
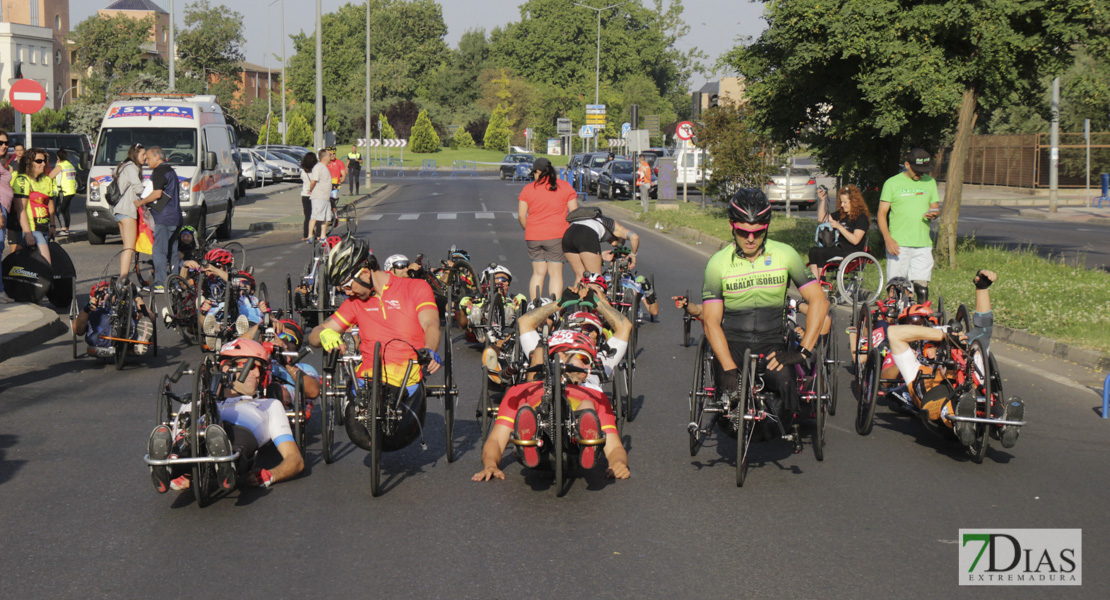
column 878, row 518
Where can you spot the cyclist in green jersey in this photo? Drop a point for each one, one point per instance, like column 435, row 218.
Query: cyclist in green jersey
column 744, row 302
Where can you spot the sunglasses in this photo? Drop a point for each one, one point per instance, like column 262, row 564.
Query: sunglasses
column 400, row 265
column 501, row 280
column 40, row 160
column 745, row 232
column 287, row 338
column 584, row 358
column 4, row 142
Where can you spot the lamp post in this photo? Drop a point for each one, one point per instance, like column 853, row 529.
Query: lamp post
column 62, row 100
column 269, row 83
column 597, row 68
column 172, row 52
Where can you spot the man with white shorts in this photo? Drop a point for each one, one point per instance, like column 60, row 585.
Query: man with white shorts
column 908, row 202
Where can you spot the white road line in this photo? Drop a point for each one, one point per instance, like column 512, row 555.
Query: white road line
column 409, row 217
column 269, row 264
column 484, row 209
column 515, row 216
column 483, row 215
column 496, row 241
column 446, row 216
column 372, row 217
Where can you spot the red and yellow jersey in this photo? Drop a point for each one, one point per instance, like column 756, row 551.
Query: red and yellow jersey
column 389, row 315
column 532, row 394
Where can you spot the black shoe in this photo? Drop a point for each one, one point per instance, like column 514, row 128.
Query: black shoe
column 965, row 430
column 1015, row 411
column 218, row 444
column 158, row 448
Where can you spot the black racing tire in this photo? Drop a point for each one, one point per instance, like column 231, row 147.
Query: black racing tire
column 983, row 389
column 328, row 417
column 203, row 473
column 744, row 427
column 699, row 396
column 448, row 400
column 464, row 272
column 963, row 317
column 832, row 363
column 182, row 307
column 686, row 322
column 288, row 303
column 558, row 433
column 299, row 424
column 377, row 423
column 125, row 327
column 73, row 311
column 863, row 344
column 163, row 401
column 868, row 392
column 485, row 408
column 821, row 405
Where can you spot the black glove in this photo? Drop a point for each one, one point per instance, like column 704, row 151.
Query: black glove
column 982, row 282
column 590, row 301
column 792, row 357
column 730, row 380
column 569, row 298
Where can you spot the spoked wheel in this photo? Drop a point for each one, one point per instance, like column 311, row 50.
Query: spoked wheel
column 182, row 307
column 377, row 423
column 238, row 253
column 820, row 406
column 263, row 293
column 700, row 396
column 863, row 344
column 299, row 424
column 153, row 331
column 686, row 330
column 328, row 417
column 832, row 364
column 449, row 400
column 558, row 432
column 288, row 295
column 860, row 277
column 963, row 317
column 73, row 311
column 978, row 366
column 485, row 405
column 868, row 393
column 125, row 328
column 465, row 280
column 744, row 427
column 204, row 474
column 162, row 399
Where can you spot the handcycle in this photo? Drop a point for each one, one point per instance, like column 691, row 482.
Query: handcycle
column 687, row 320
column 339, row 374
column 509, row 371
column 858, row 275
column 382, row 417
column 817, row 382
column 299, row 410
column 125, row 308
column 313, row 299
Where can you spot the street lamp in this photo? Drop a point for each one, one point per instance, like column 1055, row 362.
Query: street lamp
column 62, row 100
column 284, row 125
column 597, row 69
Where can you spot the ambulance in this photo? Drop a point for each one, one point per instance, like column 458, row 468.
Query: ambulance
column 193, row 134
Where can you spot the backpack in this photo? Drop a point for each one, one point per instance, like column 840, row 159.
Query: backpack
column 112, row 194
column 584, row 213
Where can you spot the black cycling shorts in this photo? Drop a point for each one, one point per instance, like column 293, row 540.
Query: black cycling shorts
column 580, row 238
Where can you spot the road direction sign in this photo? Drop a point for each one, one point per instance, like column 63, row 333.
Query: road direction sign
column 27, row 96
column 595, row 109
column 685, row 130
column 651, row 123
column 563, row 126
column 395, row 143
column 585, row 132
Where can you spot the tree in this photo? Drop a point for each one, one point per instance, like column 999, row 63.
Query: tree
column 424, row 138
column 211, row 48
column 819, row 74
column 110, row 49
column 300, row 132
column 387, row 132
column 477, row 129
column 497, row 132
column 738, row 152
column 462, row 140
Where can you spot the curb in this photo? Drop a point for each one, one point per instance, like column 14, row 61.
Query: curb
column 273, row 226
column 48, row 326
column 1092, row 359
column 1079, row 218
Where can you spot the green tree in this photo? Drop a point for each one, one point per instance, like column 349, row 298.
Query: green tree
column 387, row 132
column 737, row 151
column 49, row 119
column 454, row 84
column 211, row 47
column 300, row 132
column 497, row 132
column 110, row 50
column 821, row 74
column 424, row 138
column 462, row 139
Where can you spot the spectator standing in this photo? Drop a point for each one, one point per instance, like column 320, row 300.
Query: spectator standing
column 126, row 211
column 319, row 192
column 165, row 206
column 542, row 208
column 65, row 176
column 5, row 207
column 643, row 181
column 34, row 191
column 13, row 160
column 307, row 164
column 338, row 175
column 909, row 200
column 354, row 167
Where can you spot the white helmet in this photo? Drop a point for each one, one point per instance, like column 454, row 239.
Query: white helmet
column 396, row 258
column 493, row 270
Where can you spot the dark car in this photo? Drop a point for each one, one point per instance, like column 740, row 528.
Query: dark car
column 75, row 144
column 592, row 169
column 616, row 180
column 511, row 162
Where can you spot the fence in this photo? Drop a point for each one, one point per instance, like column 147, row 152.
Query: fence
column 1023, row 160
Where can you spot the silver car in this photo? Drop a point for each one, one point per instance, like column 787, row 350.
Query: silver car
column 287, row 168
column 803, row 188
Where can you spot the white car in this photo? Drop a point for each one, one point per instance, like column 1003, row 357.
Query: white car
column 803, row 188
column 287, row 168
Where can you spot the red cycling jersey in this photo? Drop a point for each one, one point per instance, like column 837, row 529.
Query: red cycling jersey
column 532, row 393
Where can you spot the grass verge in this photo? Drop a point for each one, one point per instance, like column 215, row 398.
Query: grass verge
column 1055, row 298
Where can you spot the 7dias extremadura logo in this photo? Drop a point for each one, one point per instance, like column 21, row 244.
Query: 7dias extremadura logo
column 1021, row 557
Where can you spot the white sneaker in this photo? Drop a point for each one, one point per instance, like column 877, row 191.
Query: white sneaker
column 242, row 325
column 211, row 325
column 5, row 298
column 166, row 318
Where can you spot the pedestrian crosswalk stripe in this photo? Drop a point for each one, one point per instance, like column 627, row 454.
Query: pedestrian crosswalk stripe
column 483, row 215
column 409, row 217
column 446, row 216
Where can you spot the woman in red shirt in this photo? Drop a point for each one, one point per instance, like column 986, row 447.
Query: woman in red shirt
column 542, row 207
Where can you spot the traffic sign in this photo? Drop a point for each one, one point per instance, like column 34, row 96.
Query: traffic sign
column 563, row 126
column 685, row 130
column 625, row 128
column 651, row 123
column 595, row 109
column 585, row 132
column 27, row 96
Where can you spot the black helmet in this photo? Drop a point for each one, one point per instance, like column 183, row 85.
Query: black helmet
column 346, row 259
column 749, row 205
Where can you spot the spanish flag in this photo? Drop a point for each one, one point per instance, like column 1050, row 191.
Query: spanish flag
column 144, row 244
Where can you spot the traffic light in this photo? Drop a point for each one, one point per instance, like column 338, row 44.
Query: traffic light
column 714, row 100
column 635, row 120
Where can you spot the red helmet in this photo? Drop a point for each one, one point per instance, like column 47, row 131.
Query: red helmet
column 219, row 257
column 245, row 276
column 291, row 332
column 918, row 314
column 584, row 321
column 596, row 279
column 98, row 288
column 331, row 241
column 567, row 340
column 250, row 349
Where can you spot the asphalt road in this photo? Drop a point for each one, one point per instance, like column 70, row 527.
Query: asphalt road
column 878, row 518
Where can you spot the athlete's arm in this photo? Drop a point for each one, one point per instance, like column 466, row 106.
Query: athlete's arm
column 617, row 457
column 429, row 321
column 712, row 313
column 291, row 462
column 621, row 326
column 531, row 320
column 492, row 452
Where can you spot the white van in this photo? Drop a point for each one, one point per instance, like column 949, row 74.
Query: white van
column 197, row 142
column 693, row 165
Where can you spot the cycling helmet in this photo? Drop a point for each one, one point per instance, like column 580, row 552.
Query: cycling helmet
column 585, row 322
column 567, row 340
column 346, row 260
column 918, row 314
column 331, row 241
column 242, row 276
column 459, row 254
column 494, row 270
column 188, row 229
column 99, row 288
column 750, row 206
column 252, row 350
column 219, row 257
column 596, row 279
column 396, row 258
column 291, row 333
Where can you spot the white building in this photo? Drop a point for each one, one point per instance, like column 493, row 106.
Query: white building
column 33, row 48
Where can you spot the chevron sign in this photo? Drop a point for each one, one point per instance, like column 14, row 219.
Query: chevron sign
column 395, row 143
column 618, row 142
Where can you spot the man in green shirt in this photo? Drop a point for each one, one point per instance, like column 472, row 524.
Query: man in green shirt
column 908, row 202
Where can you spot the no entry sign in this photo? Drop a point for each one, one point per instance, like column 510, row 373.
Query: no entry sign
column 27, row 96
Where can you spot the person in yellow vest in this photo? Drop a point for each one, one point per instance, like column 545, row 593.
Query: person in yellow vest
column 354, row 167
column 65, row 177
column 34, row 190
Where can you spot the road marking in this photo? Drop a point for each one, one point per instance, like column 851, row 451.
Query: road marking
column 1082, row 229
column 483, row 215
column 515, row 216
column 484, row 209
column 409, row 217
column 1043, row 373
column 372, row 217
column 446, row 216
column 269, row 264
column 496, row 241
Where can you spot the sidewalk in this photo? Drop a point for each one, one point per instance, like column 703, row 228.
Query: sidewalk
column 25, row 327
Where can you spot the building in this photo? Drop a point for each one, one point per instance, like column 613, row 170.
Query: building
column 712, row 93
column 158, row 44
column 32, row 36
column 256, row 81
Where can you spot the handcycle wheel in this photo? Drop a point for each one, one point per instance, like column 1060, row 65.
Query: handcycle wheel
column 203, row 473
column 289, row 296
column 153, row 330
column 686, row 330
column 963, row 317
column 832, row 363
column 163, row 402
column 449, row 400
column 979, row 370
column 863, row 344
column 868, row 393
column 238, row 254
column 558, row 432
column 744, row 427
column 328, row 410
column 124, row 329
column 820, row 406
column 263, row 293
column 703, row 372
column 73, row 311
column 942, row 316
column 485, row 408
column 299, row 424
column 181, row 300
column 465, row 279
column 376, row 424
column 859, row 277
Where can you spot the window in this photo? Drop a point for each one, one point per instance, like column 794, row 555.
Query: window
column 32, row 50
column 58, row 22
column 58, row 91
column 45, row 56
column 19, row 52
column 165, row 36
column 34, row 13
column 57, row 57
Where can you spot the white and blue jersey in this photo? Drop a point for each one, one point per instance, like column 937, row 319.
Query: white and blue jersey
column 248, row 307
column 287, row 381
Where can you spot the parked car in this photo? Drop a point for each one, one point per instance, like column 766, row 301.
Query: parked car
column 574, row 168
column 511, row 161
column 289, row 167
column 76, row 145
column 803, row 188
column 247, row 167
column 617, row 179
column 592, row 170
column 294, row 151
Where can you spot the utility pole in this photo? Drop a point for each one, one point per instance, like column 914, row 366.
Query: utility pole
column 366, row 147
column 1054, row 152
column 172, row 52
column 319, row 80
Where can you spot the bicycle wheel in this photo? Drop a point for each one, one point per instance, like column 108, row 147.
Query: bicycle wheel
column 238, row 254
column 485, row 408
column 377, row 417
column 73, row 311
column 820, row 406
column 558, row 433
column 860, row 277
column 963, row 317
column 868, row 393
column 978, row 371
column 686, row 330
column 125, row 327
column 263, row 293
column 182, row 307
column 863, row 344
column 299, row 424
column 328, row 411
column 744, row 427
column 700, row 393
column 448, row 402
column 832, row 364
column 163, row 402
column 465, row 279
column 201, row 475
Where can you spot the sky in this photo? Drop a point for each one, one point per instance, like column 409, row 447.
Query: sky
column 715, row 25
